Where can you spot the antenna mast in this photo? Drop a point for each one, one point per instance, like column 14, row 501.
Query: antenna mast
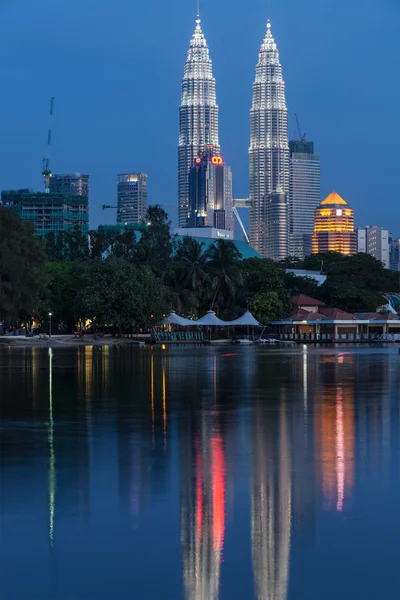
column 46, row 172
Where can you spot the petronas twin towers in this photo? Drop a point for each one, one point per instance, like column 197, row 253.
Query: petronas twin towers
column 269, row 144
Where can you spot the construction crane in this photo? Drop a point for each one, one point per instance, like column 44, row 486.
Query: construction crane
column 46, row 172
column 302, row 136
column 104, row 206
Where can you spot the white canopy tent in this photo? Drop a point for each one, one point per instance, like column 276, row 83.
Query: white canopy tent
column 247, row 319
column 210, row 319
column 174, row 319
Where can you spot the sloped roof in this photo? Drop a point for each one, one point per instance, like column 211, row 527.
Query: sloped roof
column 210, row 318
column 333, row 198
column 303, row 300
column 174, row 319
column 246, row 319
column 335, row 314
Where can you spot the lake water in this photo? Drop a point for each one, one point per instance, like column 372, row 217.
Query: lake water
column 200, row 473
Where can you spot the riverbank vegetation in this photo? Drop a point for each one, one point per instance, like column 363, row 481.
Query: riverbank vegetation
column 126, row 279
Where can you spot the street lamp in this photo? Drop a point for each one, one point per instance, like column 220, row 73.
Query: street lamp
column 50, row 324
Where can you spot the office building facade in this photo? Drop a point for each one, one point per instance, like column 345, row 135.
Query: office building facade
column 131, row 197
column 49, row 212
column 71, row 184
column 394, row 254
column 334, row 227
column 304, row 196
column 269, row 151
column 198, row 115
column 375, row 241
column 210, row 193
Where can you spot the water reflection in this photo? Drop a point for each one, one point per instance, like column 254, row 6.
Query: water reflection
column 335, row 435
column 271, row 502
column 203, row 510
column 52, row 458
column 229, row 458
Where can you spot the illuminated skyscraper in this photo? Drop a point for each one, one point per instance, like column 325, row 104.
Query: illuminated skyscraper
column 304, row 196
column 198, row 115
column 210, row 193
column 269, row 155
column 131, row 198
column 334, row 227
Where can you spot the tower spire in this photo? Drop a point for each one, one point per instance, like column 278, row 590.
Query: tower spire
column 198, row 121
column 198, row 9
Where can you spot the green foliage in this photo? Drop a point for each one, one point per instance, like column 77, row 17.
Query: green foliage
column 188, row 277
column 119, row 280
column 115, row 292
column 357, row 283
column 22, row 276
column 154, row 248
column 65, row 280
column 269, row 306
column 226, row 274
column 66, row 245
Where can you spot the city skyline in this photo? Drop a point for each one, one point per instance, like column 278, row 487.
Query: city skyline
column 337, row 113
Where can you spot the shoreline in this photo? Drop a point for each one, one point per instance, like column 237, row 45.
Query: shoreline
column 67, row 341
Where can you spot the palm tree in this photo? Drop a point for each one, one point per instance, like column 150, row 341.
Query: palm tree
column 188, row 276
column 224, row 266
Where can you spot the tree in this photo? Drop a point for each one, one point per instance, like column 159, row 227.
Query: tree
column 269, row 306
column 225, row 270
column 66, row 245
column 188, row 277
column 357, row 283
column 22, row 277
column 65, row 280
column 154, row 247
column 122, row 294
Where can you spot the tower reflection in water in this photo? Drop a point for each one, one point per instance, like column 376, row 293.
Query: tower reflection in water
column 203, row 477
column 271, row 500
column 335, row 433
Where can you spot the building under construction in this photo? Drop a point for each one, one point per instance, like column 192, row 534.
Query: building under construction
column 49, row 212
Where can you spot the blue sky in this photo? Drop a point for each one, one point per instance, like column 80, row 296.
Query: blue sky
column 115, row 69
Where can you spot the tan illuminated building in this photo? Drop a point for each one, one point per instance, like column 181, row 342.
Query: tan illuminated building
column 334, row 227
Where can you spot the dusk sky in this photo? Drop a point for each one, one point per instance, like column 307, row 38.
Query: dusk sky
column 115, row 70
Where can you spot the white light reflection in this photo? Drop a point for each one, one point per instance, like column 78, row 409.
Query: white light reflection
column 52, row 458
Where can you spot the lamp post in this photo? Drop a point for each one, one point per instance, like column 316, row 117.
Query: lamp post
column 50, row 314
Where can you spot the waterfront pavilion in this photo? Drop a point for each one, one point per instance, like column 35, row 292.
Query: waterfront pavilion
column 313, row 321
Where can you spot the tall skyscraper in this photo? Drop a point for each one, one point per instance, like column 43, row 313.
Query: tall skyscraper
column 198, row 115
column 304, row 196
column 210, row 193
column 375, row 241
column 334, row 227
column 131, row 197
column 268, row 153
column 73, row 184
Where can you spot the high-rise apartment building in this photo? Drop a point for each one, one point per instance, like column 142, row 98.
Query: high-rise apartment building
column 304, row 196
column 334, row 227
column 394, row 254
column 131, row 197
column 198, row 115
column 210, row 193
column 375, row 241
column 72, row 184
column 49, row 212
column 268, row 153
